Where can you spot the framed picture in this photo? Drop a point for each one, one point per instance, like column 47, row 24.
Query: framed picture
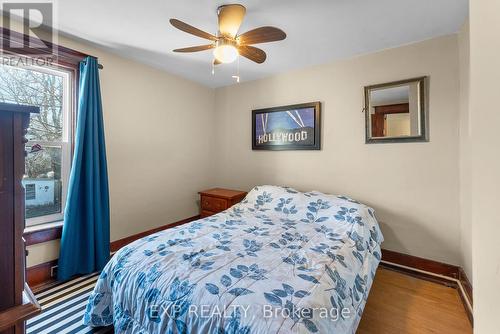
column 294, row 127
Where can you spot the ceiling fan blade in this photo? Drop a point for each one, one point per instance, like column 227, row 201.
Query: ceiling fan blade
column 252, row 53
column 216, row 62
column 196, row 48
column 192, row 30
column 261, row 35
column 230, row 18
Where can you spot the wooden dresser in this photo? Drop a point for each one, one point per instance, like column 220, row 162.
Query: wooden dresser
column 216, row 200
column 17, row 303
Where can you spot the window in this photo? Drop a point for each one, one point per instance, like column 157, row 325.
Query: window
column 48, row 150
column 30, row 191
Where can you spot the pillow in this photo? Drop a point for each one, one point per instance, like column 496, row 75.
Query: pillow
column 281, row 204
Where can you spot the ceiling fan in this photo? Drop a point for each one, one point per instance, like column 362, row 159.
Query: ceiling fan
column 227, row 44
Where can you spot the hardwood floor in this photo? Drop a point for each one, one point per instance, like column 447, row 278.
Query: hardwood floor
column 397, row 304
column 400, row 304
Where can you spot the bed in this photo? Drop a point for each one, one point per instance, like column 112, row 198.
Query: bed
column 281, row 261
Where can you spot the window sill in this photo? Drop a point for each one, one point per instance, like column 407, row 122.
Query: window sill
column 43, row 233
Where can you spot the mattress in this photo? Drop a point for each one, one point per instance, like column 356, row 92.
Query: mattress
column 281, row 261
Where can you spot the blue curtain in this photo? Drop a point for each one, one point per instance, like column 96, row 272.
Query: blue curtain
column 85, row 235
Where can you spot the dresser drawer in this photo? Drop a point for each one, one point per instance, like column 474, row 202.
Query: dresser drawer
column 213, row 204
column 205, row 213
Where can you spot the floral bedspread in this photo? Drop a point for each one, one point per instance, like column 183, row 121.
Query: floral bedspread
column 281, row 261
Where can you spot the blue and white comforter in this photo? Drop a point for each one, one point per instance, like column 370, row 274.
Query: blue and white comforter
column 281, row 261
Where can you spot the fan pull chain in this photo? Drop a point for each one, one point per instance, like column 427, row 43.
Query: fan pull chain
column 237, row 76
column 213, row 61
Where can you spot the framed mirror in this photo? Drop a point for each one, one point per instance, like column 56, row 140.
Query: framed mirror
column 396, row 112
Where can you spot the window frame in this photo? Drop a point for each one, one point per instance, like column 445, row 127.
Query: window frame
column 66, row 143
column 65, row 58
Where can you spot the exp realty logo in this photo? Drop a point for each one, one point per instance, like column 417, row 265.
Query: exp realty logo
column 35, row 22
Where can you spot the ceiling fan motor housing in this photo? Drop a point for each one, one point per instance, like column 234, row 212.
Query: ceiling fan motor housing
column 223, row 40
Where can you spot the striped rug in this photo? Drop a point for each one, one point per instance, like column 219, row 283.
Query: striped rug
column 62, row 308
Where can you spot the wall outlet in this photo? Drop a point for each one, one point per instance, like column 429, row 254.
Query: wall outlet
column 53, row 271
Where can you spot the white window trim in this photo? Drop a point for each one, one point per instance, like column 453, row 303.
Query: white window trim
column 65, row 144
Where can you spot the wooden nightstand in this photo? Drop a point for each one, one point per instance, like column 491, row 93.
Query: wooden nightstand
column 216, row 200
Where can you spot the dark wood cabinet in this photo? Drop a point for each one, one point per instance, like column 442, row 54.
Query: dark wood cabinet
column 216, row 200
column 17, row 303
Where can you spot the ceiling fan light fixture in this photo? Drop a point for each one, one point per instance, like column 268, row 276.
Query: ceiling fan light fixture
column 226, row 53
column 227, row 45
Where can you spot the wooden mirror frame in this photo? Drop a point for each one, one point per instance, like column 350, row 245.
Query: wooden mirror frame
column 424, row 129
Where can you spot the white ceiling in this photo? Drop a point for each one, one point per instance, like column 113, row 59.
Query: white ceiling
column 318, row 31
column 399, row 94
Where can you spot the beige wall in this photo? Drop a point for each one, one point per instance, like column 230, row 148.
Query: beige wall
column 464, row 152
column 161, row 135
column 159, row 132
column 398, row 125
column 42, row 252
column 418, row 209
column 485, row 167
column 158, row 138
